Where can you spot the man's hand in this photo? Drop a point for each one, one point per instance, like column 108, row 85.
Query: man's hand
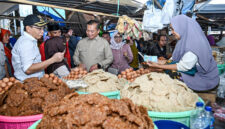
column 58, row 57
column 93, row 67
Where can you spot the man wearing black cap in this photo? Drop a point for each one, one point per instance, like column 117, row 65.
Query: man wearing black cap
column 53, row 31
column 26, row 58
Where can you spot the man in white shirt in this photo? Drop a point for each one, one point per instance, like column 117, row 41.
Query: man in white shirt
column 26, row 58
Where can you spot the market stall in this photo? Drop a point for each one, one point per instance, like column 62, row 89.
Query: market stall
column 152, row 96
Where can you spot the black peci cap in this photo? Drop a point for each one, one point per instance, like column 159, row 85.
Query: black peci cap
column 33, row 20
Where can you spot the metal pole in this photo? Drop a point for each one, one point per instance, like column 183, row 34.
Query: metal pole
column 14, row 21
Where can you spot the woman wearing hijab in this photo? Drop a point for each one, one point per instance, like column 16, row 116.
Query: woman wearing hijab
column 122, row 54
column 192, row 56
column 4, row 39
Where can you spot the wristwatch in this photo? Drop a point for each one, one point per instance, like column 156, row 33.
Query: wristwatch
column 99, row 66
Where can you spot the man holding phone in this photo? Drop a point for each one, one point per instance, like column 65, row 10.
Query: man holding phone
column 26, row 58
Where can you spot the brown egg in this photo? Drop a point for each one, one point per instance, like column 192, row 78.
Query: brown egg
column 138, row 71
column 0, row 89
column 16, row 81
column 81, row 72
column 131, row 69
column 85, row 72
column 1, row 81
column 128, row 77
column 50, row 78
column 54, row 81
column 12, row 79
column 46, row 76
column 129, row 74
column 123, row 72
column 72, row 72
column 4, row 84
column 5, row 80
column 9, row 84
column 123, row 76
column 142, row 72
column 141, row 69
column 51, row 75
column 127, row 70
column 59, row 81
column 131, row 80
column 55, row 78
column 77, row 72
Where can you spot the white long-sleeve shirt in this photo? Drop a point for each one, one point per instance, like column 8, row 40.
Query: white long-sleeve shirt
column 187, row 62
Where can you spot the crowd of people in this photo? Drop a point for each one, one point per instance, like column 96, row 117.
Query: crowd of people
column 61, row 51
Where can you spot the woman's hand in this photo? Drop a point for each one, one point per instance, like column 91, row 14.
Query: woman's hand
column 153, row 64
column 125, row 55
column 162, row 62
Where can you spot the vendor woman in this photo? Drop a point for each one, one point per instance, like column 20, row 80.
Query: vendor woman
column 192, row 57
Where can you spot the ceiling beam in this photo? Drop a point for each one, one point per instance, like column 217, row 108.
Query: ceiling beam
column 60, row 7
column 22, row 18
column 84, row 4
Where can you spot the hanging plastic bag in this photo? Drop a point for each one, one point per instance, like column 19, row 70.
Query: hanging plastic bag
column 168, row 11
column 154, row 19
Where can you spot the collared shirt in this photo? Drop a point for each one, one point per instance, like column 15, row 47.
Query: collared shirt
column 2, row 61
column 24, row 54
column 93, row 51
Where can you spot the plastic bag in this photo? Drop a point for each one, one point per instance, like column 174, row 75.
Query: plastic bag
column 168, row 11
column 154, row 19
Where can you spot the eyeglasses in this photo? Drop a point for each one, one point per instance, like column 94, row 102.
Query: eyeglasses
column 39, row 28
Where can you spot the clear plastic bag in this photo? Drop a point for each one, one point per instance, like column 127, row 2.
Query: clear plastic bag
column 154, row 19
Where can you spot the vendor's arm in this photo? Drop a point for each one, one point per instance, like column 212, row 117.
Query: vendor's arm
column 162, row 66
column 108, row 56
column 187, row 62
